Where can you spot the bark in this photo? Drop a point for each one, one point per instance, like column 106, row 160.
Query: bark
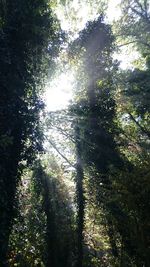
column 80, row 197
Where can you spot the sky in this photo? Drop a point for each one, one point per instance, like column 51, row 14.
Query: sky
column 59, row 91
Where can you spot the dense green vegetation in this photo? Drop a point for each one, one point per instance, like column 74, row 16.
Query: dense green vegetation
column 84, row 202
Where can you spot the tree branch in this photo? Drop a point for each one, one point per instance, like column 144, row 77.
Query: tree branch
column 131, row 42
column 58, row 151
column 145, row 131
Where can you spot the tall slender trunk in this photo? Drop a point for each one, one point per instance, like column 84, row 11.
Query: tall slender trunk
column 51, row 238
column 80, row 196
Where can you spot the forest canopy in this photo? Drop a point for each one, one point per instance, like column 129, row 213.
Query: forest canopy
column 74, row 181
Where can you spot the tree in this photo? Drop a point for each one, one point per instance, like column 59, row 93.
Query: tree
column 135, row 13
column 95, row 109
column 79, row 196
column 132, row 99
column 29, row 39
column 59, row 216
column 43, row 234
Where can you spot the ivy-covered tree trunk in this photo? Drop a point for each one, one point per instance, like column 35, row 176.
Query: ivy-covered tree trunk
column 96, row 105
column 10, row 150
column 26, row 29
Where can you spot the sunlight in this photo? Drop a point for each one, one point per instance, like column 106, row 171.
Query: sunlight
column 59, row 92
column 76, row 14
column 73, row 19
column 114, row 11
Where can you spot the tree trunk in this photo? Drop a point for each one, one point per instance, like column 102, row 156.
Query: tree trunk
column 8, row 183
column 80, row 197
column 7, row 198
column 51, row 238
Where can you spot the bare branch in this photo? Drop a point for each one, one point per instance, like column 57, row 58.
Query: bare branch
column 131, row 42
column 58, row 151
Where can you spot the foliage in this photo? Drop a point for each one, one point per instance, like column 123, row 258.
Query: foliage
column 105, row 141
column 30, row 38
column 44, row 204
